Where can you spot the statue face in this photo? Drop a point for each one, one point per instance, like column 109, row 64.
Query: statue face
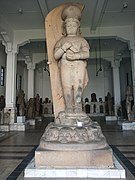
column 71, row 28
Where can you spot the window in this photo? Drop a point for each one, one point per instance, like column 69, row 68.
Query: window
column 2, row 76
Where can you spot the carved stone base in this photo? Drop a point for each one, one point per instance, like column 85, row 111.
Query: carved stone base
column 73, row 146
column 61, row 137
column 74, row 159
column 72, row 119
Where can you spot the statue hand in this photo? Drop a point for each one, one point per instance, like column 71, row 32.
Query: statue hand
column 72, row 56
column 66, row 46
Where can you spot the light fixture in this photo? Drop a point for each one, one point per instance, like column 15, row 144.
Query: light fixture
column 46, row 68
column 20, row 11
column 100, row 65
column 125, row 5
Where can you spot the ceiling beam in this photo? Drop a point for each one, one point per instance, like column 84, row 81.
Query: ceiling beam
column 98, row 13
column 43, row 7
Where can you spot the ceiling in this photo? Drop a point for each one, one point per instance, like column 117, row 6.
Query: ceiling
column 30, row 14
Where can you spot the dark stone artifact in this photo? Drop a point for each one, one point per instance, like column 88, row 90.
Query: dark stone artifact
column 31, row 108
column 21, row 103
column 93, row 97
column 37, row 105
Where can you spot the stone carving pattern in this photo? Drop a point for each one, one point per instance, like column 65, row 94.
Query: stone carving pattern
column 72, row 134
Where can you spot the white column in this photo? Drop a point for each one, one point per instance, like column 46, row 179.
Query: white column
column 25, row 82
column 30, row 67
column 11, row 82
column 132, row 47
column 116, row 85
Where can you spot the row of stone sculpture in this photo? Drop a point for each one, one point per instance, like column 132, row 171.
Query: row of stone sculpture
column 34, row 107
column 29, row 109
column 104, row 107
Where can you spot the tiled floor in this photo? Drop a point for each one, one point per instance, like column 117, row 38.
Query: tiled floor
column 17, row 148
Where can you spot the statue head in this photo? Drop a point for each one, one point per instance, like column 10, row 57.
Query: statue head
column 71, row 16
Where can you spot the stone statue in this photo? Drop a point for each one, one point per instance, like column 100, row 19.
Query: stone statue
column 72, row 53
column 93, row 97
column 72, row 134
column 37, row 105
column 109, row 103
column 2, row 102
column 31, row 108
column 129, row 98
column 2, row 105
column 21, row 103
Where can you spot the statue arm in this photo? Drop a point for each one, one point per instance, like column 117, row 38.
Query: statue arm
column 59, row 49
column 84, row 51
column 58, row 53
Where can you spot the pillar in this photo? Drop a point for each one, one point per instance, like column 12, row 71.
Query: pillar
column 10, row 97
column 31, row 68
column 116, row 85
column 132, row 48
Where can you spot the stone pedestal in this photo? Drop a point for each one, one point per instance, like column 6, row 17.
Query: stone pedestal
column 74, row 159
column 128, row 125
column 2, row 134
column 19, row 126
column 31, row 122
column 83, row 172
column 4, row 127
column 79, row 145
column 20, row 119
column 111, row 118
column 48, row 115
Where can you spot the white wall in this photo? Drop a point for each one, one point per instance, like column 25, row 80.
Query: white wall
column 101, row 84
column 2, row 63
column 42, row 84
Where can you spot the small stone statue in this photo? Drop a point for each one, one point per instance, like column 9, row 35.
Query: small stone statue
column 37, row 105
column 129, row 98
column 72, row 52
column 21, row 103
column 109, row 103
column 31, row 108
column 86, row 100
column 93, row 97
column 2, row 105
column 2, row 102
column 46, row 100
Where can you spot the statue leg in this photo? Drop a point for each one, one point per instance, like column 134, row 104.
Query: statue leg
column 78, row 100
column 67, row 81
column 79, row 84
column 68, row 99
